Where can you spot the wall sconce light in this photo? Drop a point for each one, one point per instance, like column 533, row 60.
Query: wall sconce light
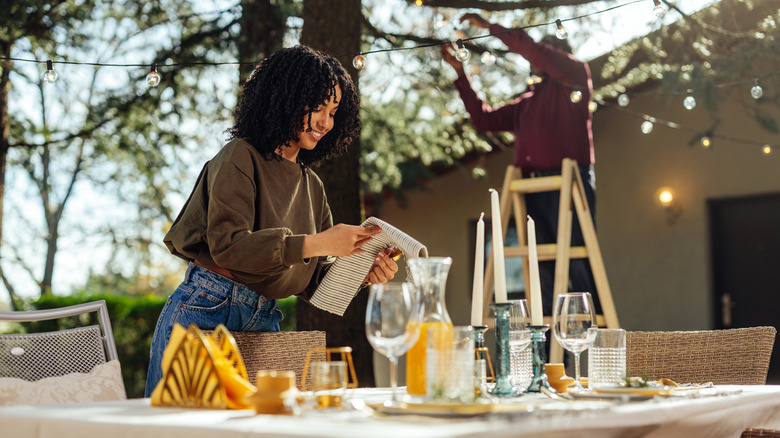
column 667, row 198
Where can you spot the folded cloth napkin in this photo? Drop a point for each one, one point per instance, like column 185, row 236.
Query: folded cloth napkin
column 343, row 280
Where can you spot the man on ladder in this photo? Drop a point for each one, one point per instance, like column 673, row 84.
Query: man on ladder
column 551, row 121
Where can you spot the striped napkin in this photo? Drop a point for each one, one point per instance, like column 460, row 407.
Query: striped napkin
column 343, row 280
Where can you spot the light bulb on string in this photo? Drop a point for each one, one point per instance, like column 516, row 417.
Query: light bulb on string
column 689, row 102
column 359, row 61
column 766, row 149
column 462, row 54
column 756, row 91
column 593, row 106
column 575, row 96
column 418, row 2
column 647, row 127
column 153, row 78
column 659, row 10
column 488, row 58
column 561, row 33
column 623, row 99
column 706, row 142
column 50, row 76
column 533, row 79
column 479, row 173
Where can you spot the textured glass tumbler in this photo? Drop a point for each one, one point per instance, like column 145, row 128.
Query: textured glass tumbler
column 450, row 364
column 607, row 358
column 520, row 359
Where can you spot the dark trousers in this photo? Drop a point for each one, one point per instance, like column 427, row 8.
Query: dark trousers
column 543, row 209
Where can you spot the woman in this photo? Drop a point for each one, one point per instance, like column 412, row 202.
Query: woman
column 257, row 226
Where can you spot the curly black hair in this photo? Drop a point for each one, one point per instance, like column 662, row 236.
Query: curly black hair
column 286, row 87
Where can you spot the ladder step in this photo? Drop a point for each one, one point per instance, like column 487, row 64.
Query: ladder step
column 534, row 185
column 548, row 251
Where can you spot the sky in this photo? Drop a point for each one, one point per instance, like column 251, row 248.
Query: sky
column 76, row 257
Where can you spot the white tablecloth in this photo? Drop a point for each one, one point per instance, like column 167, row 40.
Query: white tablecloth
column 714, row 416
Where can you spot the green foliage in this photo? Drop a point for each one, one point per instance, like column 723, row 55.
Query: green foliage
column 287, row 305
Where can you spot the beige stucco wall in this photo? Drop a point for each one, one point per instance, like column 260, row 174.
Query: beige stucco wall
column 658, row 272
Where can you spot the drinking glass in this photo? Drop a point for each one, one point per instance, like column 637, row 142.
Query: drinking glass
column 573, row 316
column 520, row 355
column 392, row 324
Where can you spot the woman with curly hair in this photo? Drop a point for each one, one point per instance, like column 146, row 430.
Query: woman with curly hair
column 257, row 226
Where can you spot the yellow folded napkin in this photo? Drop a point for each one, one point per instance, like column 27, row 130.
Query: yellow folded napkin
column 202, row 371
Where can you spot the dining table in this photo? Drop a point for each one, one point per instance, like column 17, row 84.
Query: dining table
column 715, row 411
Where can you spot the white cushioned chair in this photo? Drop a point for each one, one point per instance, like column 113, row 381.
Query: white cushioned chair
column 65, row 366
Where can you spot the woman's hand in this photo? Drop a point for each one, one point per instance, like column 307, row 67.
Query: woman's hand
column 340, row 240
column 384, row 268
column 475, row 20
column 447, row 53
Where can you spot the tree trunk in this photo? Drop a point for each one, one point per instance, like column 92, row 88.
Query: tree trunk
column 333, row 26
column 262, row 33
column 5, row 130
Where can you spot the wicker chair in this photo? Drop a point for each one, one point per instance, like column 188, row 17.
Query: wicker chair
column 280, row 351
column 70, row 365
column 734, row 356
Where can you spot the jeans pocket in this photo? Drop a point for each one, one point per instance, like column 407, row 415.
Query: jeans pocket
column 265, row 319
column 205, row 307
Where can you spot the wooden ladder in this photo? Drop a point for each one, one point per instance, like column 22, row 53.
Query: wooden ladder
column 512, row 199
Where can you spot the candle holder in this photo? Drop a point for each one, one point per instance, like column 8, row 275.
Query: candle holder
column 483, row 371
column 538, row 347
column 504, row 387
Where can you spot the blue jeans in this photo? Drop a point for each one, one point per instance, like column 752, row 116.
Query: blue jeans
column 208, row 299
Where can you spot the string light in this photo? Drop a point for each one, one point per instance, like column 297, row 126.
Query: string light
column 462, row 54
column 689, row 102
column 418, row 2
column 488, row 58
column 646, row 127
column 593, row 106
column 153, row 78
column 756, row 91
column 766, row 149
column 561, row 33
column 659, row 10
column 49, row 76
column 706, row 142
column 359, row 61
column 533, row 79
column 623, row 100
column 575, row 96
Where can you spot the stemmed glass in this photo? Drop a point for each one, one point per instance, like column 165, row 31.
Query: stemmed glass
column 392, row 324
column 573, row 316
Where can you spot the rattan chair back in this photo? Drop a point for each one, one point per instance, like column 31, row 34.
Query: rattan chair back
column 34, row 356
column 734, row 356
column 277, row 351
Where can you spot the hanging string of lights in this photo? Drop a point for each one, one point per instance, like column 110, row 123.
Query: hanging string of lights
column 462, row 54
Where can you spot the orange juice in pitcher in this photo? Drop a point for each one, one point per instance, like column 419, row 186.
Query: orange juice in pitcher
column 430, row 278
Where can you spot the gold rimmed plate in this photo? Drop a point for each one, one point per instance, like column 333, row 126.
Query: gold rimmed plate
column 648, row 391
column 452, row 409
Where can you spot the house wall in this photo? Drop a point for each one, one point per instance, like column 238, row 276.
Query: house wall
column 658, row 271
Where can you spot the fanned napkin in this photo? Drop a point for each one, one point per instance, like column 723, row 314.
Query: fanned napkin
column 342, row 282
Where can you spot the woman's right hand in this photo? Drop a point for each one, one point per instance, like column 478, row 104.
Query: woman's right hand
column 447, row 53
column 340, row 240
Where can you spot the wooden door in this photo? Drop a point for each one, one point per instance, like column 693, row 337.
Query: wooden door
column 745, row 236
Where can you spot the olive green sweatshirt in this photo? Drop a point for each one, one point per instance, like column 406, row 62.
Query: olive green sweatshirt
column 249, row 215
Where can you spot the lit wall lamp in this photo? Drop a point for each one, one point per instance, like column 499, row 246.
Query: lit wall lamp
column 667, row 198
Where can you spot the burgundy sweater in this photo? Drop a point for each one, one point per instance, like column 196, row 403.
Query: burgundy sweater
column 548, row 127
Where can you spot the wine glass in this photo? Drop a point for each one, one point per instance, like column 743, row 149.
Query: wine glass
column 392, row 324
column 573, row 316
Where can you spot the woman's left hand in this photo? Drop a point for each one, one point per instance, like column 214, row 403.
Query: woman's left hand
column 384, row 268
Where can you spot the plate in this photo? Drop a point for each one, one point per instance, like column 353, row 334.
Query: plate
column 452, row 409
column 630, row 390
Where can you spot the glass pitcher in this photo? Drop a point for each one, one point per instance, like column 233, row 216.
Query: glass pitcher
column 430, row 277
